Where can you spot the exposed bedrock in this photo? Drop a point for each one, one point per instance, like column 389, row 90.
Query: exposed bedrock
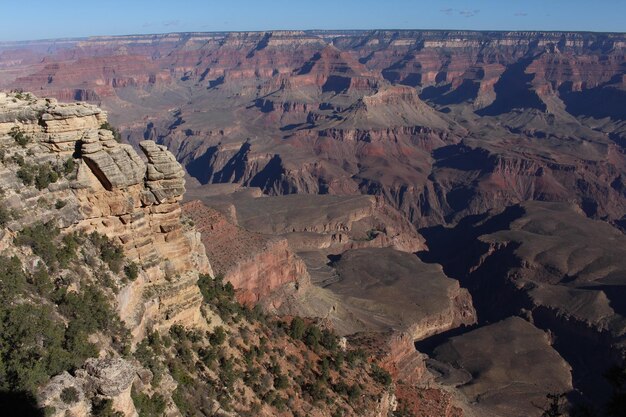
column 428, row 175
column 392, row 289
column 268, row 247
column 114, row 192
column 316, row 222
column 255, row 264
column 109, row 378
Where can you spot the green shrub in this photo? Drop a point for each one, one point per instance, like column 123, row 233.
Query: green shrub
column 313, row 336
column 208, row 356
column 178, row 332
column 60, row 204
column 76, row 342
column 69, row 166
column 40, row 339
column 181, row 402
column 90, row 308
column 146, row 353
column 279, row 402
column 103, row 407
column 355, row 356
column 110, row 252
column 39, row 175
column 316, row 390
column 12, row 278
column 45, row 176
column 26, row 173
column 228, row 374
column 325, row 369
column 220, row 295
column 69, row 395
column 354, row 392
column 90, row 311
column 380, row 375
column 49, row 411
column 131, row 270
column 18, row 159
column 297, row 328
column 218, row 337
column 42, row 239
column 148, row 406
column 329, row 340
column 281, row 381
column 41, row 281
column 180, row 375
column 5, row 215
column 341, row 388
column 19, row 136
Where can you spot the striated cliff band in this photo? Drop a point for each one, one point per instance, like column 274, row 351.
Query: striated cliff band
column 109, row 189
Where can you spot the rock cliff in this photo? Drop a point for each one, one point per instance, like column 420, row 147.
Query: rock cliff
column 111, row 190
column 255, row 264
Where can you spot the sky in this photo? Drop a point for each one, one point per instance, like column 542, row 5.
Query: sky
column 38, row 19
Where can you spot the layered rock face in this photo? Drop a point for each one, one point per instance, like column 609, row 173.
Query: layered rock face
column 115, row 193
column 440, row 124
column 388, row 288
column 255, row 264
column 326, row 222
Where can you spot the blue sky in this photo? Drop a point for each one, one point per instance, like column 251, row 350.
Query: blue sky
column 37, row 19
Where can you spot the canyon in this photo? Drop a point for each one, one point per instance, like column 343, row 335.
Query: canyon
column 98, row 247
column 452, row 200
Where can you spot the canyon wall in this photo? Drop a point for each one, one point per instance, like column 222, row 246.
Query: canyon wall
column 255, row 264
column 439, row 124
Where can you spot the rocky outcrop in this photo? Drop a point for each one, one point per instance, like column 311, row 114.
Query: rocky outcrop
column 415, row 389
column 164, row 177
column 99, row 378
column 117, row 166
column 335, row 223
column 548, row 263
column 111, row 190
column 392, row 289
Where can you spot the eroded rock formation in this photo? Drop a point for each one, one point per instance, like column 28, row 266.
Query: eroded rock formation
column 111, row 190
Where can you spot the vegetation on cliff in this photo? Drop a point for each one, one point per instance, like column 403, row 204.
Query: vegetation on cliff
column 254, row 364
column 50, row 308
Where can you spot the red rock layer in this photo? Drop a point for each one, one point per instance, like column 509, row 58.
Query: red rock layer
column 255, row 264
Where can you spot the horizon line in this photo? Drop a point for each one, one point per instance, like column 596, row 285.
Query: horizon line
column 78, row 38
